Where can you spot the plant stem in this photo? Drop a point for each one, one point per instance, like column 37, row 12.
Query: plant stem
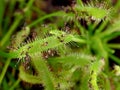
column 4, row 70
column 116, row 46
column 12, row 29
column 59, row 13
column 15, row 84
column 115, row 59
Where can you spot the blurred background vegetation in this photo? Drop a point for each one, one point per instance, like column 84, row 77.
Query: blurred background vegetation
column 21, row 20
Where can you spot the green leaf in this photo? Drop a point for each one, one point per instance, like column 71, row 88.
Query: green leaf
column 111, row 29
column 73, row 59
column 44, row 72
column 94, row 12
column 39, row 45
column 28, row 77
column 2, row 8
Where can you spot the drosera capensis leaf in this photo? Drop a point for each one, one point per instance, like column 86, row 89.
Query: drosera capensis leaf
column 28, row 77
column 20, row 37
column 42, row 68
column 96, row 68
column 44, row 75
column 39, row 45
column 96, row 12
column 79, row 59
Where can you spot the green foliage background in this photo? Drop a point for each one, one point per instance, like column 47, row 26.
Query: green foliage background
column 59, row 48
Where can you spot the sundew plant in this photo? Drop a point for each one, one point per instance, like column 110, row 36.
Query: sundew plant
column 59, row 45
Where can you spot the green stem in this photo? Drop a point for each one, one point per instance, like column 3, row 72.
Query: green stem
column 4, row 70
column 12, row 29
column 8, row 55
column 15, row 84
column 29, row 4
column 115, row 59
column 81, row 28
column 2, row 10
column 116, row 46
column 59, row 13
